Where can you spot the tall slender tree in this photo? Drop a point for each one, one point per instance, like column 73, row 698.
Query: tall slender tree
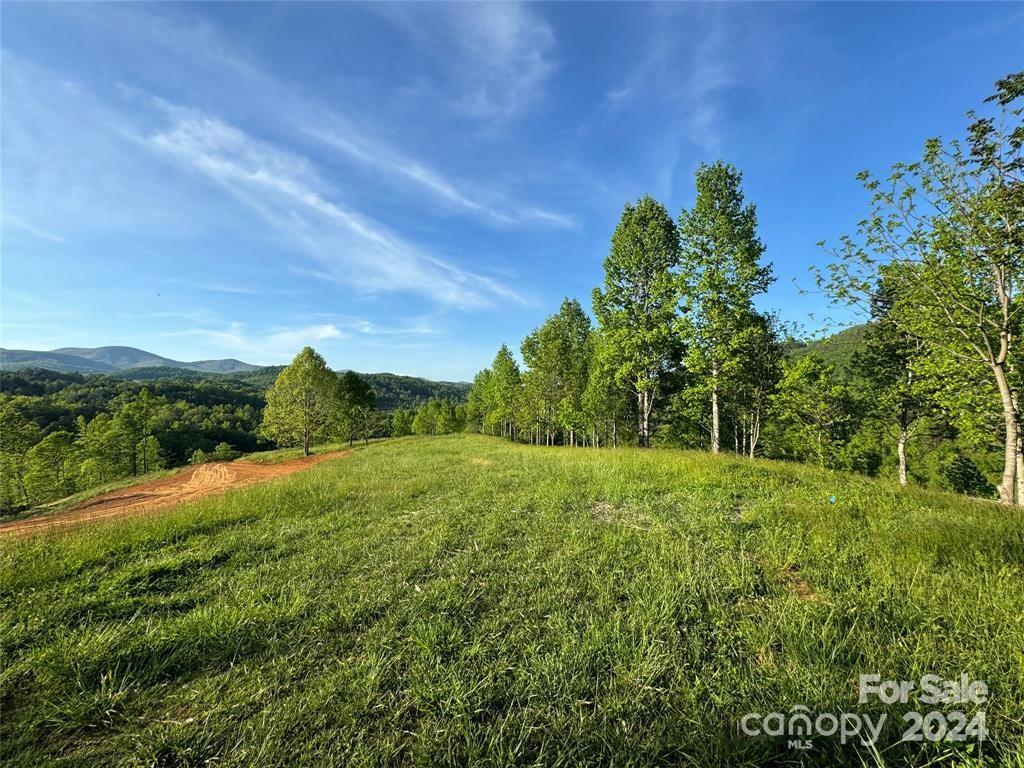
column 556, row 354
column 721, row 272
column 890, row 364
column 505, row 386
column 477, row 401
column 758, row 353
column 638, row 309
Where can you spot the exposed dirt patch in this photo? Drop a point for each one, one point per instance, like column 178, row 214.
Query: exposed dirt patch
column 187, row 485
column 796, row 584
column 620, row 515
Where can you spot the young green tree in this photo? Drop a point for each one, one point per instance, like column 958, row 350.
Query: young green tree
column 135, row 419
column 638, row 307
column 224, row 452
column 355, row 413
column 104, row 448
column 721, row 272
column 556, row 355
column 401, row 423
column 149, row 454
column 757, row 352
column 605, row 404
column 447, row 418
column 505, row 393
column 477, row 401
column 814, row 409
column 890, row 367
column 425, row 420
column 950, row 228
column 574, row 333
column 17, row 436
column 301, row 402
column 50, row 467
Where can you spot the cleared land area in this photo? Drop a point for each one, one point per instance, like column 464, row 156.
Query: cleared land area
column 466, row 601
column 189, row 484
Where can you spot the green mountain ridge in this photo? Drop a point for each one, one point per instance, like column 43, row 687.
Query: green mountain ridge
column 839, row 348
column 109, row 360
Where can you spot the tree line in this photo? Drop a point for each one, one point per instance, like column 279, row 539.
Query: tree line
column 59, row 443
column 680, row 355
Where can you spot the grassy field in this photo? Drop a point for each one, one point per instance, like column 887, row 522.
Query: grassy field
column 461, row 600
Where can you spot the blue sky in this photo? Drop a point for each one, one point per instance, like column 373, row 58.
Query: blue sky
column 407, row 186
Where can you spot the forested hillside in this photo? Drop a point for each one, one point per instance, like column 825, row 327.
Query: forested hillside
column 65, row 432
column 839, row 349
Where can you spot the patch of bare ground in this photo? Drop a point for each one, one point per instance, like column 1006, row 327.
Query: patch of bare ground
column 796, row 584
column 621, row 515
column 187, row 485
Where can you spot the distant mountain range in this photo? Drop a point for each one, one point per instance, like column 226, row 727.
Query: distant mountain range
column 109, row 360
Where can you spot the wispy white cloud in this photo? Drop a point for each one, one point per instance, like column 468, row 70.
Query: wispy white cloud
column 7, row 220
column 498, row 57
column 691, row 71
column 509, row 53
column 453, row 195
column 417, row 326
column 495, row 58
column 273, row 345
column 288, row 192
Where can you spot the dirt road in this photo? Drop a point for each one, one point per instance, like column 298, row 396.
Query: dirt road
column 188, row 484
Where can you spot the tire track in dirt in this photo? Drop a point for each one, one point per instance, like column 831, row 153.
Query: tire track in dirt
column 187, row 485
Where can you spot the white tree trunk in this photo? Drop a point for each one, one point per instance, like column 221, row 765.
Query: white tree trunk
column 715, row 446
column 901, row 449
column 1007, row 485
column 755, row 430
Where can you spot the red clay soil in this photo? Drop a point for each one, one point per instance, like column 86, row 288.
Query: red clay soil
column 187, row 485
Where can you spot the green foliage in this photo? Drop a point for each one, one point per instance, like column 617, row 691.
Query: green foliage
column 478, row 403
column 606, row 406
column 503, row 394
column 224, row 452
column 963, row 476
column 354, row 412
column 839, row 348
column 639, row 304
column 721, row 272
column 17, row 436
column 943, row 247
column 439, row 417
column 393, row 392
column 301, row 403
column 814, row 412
column 401, row 423
column 465, row 601
column 199, row 456
column 557, row 357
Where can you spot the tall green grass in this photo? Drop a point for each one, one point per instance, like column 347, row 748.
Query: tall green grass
column 462, row 600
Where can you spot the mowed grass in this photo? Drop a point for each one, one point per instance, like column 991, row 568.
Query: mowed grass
column 465, row 601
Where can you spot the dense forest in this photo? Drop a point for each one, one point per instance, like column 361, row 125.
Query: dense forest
column 925, row 391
